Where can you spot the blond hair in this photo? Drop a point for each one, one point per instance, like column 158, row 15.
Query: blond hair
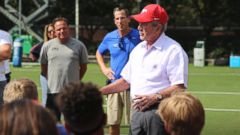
column 20, row 89
column 183, row 114
column 45, row 34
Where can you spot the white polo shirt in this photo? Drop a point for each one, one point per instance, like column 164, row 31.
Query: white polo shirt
column 5, row 38
column 149, row 71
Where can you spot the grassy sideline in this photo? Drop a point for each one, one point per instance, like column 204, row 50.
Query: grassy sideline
column 216, row 87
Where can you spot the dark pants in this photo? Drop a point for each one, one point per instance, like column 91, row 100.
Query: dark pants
column 8, row 77
column 2, row 85
column 146, row 122
column 52, row 105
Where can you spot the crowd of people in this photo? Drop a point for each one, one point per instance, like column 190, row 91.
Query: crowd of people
column 146, row 82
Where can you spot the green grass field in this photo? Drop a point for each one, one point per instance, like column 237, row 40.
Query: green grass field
column 216, row 87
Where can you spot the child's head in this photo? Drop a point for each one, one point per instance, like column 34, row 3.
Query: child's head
column 183, row 114
column 20, row 89
column 81, row 105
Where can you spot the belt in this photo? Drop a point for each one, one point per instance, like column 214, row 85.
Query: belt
column 154, row 106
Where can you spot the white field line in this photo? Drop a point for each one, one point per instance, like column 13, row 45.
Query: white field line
column 208, row 109
column 28, row 63
column 215, row 93
column 27, row 70
column 212, row 109
column 221, row 110
column 218, row 93
column 214, row 74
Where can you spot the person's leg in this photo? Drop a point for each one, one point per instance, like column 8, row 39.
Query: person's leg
column 43, row 82
column 114, row 129
column 51, row 104
column 146, row 123
column 113, row 113
column 137, row 119
column 2, row 85
column 153, row 124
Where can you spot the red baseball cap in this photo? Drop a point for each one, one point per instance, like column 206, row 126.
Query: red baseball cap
column 152, row 12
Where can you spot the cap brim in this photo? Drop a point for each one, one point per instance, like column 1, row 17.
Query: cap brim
column 141, row 18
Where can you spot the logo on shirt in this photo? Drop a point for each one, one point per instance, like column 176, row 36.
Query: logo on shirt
column 116, row 45
column 55, row 49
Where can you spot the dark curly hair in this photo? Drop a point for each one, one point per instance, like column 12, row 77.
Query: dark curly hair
column 81, row 105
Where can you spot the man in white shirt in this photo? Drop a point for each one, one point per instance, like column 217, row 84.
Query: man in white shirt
column 157, row 67
column 5, row 54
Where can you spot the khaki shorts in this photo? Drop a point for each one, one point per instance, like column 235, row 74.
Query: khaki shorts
column 118, row 105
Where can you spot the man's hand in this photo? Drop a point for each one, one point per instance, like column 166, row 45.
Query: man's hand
column 115, row 87
column 109, row 73
column 104, row 90
column 143, row 102
column 5, row 51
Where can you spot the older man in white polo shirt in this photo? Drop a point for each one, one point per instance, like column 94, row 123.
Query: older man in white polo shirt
column 157, row 67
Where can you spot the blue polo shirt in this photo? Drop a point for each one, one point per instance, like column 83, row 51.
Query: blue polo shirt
column 119, row 49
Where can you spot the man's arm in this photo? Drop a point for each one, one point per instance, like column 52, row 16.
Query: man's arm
column 175, row 88
column 105, row 70
column 5, row 51
column 82, row 70
column 44, row 69
column 115, row 87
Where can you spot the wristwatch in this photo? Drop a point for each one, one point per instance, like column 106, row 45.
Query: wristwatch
column 159, row 97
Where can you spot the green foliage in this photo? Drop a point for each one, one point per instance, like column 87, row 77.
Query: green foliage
column 181, row 13
column 203, row 15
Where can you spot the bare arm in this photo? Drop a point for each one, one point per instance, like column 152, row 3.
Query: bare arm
column 115, row 87
column 105, row 70
column 82, row 70
column 175, row 88
column 44, row 70
column 5, row 51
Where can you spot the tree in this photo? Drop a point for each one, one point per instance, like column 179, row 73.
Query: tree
column 97, row 14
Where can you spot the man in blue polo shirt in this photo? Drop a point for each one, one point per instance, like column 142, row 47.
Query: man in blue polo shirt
column 119, row 43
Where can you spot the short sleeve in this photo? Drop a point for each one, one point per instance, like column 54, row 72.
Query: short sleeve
column 177, row 68
column 5, row 38
column 103, row 47
column 126, row 72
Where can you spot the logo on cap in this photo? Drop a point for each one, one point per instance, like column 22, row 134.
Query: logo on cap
column 144, row 11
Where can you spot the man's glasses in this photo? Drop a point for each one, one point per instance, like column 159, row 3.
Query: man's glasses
column 121, row 44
